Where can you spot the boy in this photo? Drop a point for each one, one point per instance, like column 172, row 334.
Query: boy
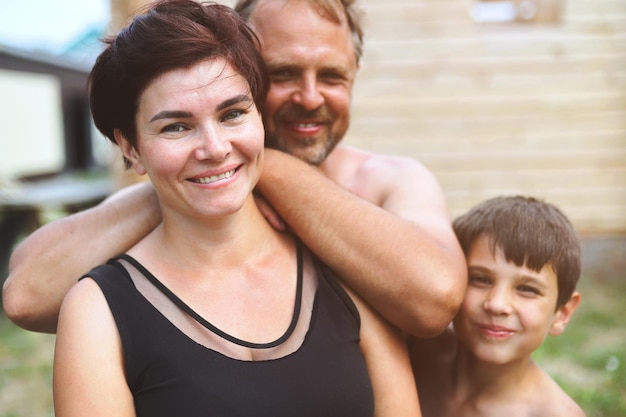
column 523, row 259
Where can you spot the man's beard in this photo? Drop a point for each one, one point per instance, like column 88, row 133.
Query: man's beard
column 318, row 149
column 313, row 156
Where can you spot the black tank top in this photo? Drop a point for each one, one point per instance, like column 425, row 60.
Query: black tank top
column 171, row 375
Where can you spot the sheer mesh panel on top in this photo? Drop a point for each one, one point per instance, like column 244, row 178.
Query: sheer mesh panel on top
column 203, row 335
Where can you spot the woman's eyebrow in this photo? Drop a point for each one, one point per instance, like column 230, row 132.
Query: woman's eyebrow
column 181, row 114
column 171, row 114
column 234, row 100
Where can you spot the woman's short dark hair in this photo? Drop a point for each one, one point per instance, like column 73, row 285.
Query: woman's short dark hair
column 168, row 35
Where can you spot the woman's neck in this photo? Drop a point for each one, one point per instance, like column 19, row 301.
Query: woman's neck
column 227, row 241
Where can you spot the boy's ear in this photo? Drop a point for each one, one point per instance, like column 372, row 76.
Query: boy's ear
column 564, row 314
column 129, row 152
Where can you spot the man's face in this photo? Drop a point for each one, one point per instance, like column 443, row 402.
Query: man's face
column 312, row 66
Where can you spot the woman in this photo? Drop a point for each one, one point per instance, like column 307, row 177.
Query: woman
column 214, row 312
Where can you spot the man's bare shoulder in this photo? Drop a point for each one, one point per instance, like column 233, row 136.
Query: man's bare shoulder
column 366, row 160
column 373, row 176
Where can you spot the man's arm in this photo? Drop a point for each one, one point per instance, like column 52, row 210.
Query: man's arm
column 45, row 265
column 401, row 257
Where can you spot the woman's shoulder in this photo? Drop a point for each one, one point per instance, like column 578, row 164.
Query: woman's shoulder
column 83, row 307
column 83, row 294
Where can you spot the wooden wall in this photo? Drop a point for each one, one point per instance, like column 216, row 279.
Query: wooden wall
column 533, row 108
column 122, row 10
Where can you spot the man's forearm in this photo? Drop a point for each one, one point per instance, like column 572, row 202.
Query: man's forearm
column 47, row 263
column 411, row 278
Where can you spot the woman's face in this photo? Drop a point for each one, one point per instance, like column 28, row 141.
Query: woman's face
column 199, row 139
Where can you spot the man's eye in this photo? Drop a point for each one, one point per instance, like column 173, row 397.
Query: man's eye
column 332, row 77
column 284, row 74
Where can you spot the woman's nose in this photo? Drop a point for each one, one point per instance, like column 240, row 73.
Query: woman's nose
column 213, row 145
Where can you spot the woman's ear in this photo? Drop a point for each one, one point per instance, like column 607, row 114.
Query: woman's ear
column 131, row 156
column 564, row 314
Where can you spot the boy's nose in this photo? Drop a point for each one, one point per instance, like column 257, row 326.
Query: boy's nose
column 498, row 301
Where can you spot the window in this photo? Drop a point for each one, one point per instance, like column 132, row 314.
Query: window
column 498, row 11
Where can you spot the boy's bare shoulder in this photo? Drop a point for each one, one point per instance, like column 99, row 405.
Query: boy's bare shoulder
column 536, row 396
column 550, row 400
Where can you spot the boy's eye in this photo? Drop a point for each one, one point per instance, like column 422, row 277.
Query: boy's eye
column 529, row 290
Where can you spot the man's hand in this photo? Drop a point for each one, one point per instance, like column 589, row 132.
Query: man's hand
column 269, row 213
column 44, row 267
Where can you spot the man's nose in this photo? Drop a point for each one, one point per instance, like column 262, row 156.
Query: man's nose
column 308, row 94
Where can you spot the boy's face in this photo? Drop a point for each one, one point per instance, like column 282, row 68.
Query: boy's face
column 508, row 310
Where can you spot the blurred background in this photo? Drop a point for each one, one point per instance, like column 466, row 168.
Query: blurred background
column 495, row 97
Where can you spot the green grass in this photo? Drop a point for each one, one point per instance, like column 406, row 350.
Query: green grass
column 588, row 360
column 25, row 372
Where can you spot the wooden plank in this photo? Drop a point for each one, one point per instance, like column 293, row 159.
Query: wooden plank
column 480, row 160
column 443, row 86
column 493, row 139
column 548, row 179
column 390, row 134
column 388, row 31
column 562, row 106
column 584, row 199
column 420, row 11
column 484, row 68
column 553, row 44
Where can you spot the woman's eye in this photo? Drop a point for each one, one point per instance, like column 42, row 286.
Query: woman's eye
column 233, row 114
column 174, row 128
